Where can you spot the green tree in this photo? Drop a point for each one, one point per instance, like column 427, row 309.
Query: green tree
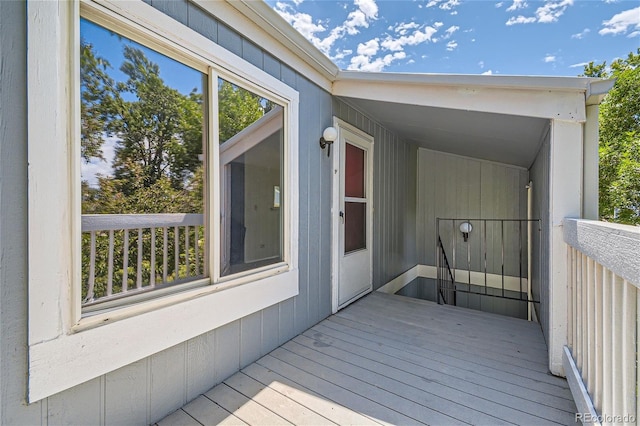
column 620, row 140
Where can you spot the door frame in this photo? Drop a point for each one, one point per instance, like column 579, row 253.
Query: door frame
column 341, row 126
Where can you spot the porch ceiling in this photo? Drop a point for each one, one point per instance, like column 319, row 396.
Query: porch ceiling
column 503, row 138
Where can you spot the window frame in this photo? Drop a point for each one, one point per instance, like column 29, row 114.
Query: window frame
column 66, row 349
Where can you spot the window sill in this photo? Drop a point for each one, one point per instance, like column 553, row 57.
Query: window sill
column 91, row 351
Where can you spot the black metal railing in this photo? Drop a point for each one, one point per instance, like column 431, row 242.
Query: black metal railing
column 446, row 281
column 494, row 260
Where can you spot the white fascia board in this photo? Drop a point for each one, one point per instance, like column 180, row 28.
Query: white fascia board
column 472, row 93
column 257, row 22
column 597, row 90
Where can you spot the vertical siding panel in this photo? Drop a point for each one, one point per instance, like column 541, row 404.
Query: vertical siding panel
column 307, row 118
column 270, row 329
column 250, row 338
column 126, row 394
column 289, row 77
column 271, row 65
column 230, row 40
column 201, row 374
column 202, row 22
column 227, row 350
column 252, row 53
column 167, row 380
column 286, row 314
column 79, row 405
column 324, row 302
column 177, row 9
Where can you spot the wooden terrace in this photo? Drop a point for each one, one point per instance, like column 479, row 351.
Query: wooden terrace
column 390, row 359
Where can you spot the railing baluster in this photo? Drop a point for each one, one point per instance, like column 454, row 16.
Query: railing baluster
column 598, row 338
column 196, row 248
column 628, row 348
column 570, row 298
column 590, row 367
column 110, row 265
column 607, row 343
column 152, row 273
column 165, row 252
column 186, row 250
column 92, row 267
column 125, row 261
column 617, row 372
column 176, row 252
column 580, row 308
column 139, row 275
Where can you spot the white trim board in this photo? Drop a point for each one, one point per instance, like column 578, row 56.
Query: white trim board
column 462, row 277
column 579, row 390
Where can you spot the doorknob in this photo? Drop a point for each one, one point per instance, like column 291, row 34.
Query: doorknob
column 342, row 216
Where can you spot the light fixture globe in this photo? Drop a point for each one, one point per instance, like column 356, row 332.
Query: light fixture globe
column 465, row 228
column 329, row 135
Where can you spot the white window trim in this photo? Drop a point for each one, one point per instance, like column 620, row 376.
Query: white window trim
column 65, row 349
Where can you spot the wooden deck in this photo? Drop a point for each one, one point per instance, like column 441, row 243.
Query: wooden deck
column 390, row 359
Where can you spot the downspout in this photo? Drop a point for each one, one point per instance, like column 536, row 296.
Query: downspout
column 531, row 313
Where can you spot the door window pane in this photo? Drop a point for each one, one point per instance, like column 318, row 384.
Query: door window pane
column 251, row 155
column 355, row 226
column 142, row 168
column 354, row 172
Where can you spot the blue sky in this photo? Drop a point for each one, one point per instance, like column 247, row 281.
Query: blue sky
column 511, row 37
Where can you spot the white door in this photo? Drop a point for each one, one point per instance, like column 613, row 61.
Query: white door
column 353, row 215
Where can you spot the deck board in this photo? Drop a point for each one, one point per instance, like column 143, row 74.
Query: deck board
column 389, row 359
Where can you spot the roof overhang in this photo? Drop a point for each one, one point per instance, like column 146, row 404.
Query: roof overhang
column 499, row 118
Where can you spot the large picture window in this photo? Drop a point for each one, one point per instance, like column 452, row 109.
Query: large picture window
column 143, row 168
column 137, row 182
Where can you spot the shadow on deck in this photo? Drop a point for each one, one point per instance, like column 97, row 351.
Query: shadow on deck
column 392, row 359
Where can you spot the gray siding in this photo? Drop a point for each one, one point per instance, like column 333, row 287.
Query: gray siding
column 394, row 193
column 539, row 173
column 455, row 187
column 147, row 390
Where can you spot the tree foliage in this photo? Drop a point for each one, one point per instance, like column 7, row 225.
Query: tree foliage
column 620, row 140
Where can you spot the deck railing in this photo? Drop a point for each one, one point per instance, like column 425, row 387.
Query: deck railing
column 603, row 314
column 133, row 253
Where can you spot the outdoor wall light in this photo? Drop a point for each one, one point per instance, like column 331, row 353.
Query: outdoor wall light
column 465, row 228
column 329, row 136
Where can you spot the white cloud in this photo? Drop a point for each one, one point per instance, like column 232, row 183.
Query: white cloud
column 520, row 20
column 622, row 22
column 579, row 65
column 581, row 34
column 499, row 5
column 517, row 4
column 455, row 12
column 411, row 61
column 364, row 63
column 634, row 34
column 298, row 2
column 481, row 64
column 452, row 45
column 438, row 24
column 417, row 37
column 488, row 72
column 444, row 4
column 452, row 29
column 549, row 58
column 403, row 27
column 370, row 48
column 551, row 11
column 367, row 10
column 96, row 167
column 368, row 7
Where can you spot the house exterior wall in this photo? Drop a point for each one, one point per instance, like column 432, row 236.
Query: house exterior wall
column 455, row 187
column 394, row 198
column 147, row 390
column 539, row 175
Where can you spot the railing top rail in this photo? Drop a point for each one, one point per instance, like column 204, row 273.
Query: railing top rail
column 614, row 246
column 109, row 222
